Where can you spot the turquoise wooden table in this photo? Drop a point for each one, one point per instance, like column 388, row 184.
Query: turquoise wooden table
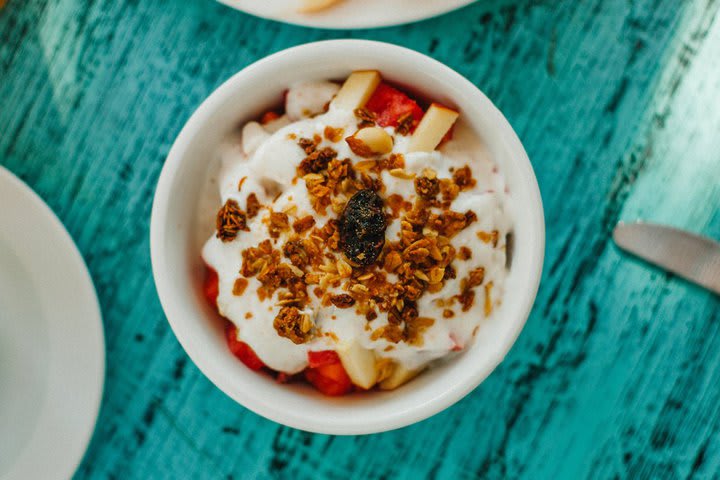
column 617, row 373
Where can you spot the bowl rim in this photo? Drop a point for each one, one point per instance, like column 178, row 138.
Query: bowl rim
column 164, row 284
column 329, row 20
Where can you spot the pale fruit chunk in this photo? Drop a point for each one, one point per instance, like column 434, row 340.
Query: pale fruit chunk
column 309, row 6
column 370, row 141
column 399, row 376
column 253, row 135
column 357, row 89
column 359, row 363
column 436, row 122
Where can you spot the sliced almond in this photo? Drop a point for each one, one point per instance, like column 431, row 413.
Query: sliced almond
column 357, row 89
column 435, row 124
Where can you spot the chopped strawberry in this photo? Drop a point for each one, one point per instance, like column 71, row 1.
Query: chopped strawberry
column 390, row 105
column 269, row 116
column 210, row 286
column 330, row 379
column 242, row 350
column 324, row 357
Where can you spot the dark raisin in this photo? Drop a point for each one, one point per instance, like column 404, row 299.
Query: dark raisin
column 362, row 228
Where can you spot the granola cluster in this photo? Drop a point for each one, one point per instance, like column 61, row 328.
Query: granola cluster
column 230, row 220
column 302, row 259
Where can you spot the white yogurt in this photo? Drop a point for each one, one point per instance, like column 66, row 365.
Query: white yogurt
column 267, row 157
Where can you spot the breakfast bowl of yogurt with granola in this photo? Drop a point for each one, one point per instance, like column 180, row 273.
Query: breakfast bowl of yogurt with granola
column 347, row 237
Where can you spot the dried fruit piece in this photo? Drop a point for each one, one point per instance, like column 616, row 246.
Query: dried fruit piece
column 362, row 228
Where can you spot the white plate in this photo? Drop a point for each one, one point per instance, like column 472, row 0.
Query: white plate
column 349, row 13
column 52, row 349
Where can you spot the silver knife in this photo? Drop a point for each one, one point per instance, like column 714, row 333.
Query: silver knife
column 690, row 256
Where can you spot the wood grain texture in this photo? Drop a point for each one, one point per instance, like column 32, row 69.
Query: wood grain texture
column 617, row 374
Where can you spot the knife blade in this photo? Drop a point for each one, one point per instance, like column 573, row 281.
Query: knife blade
column 690, row 256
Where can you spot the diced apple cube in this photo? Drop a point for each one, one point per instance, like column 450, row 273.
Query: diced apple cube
column 399, row 376
column 438, row 120
column 359, row 363
column 357, row 89
column 309, row 6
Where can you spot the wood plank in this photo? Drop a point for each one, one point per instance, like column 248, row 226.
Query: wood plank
column 616, row 373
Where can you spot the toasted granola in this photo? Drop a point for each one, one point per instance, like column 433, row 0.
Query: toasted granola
column 230, row 221
column 365, row 117
column 302, row 224
column 278, row 222
column 293, row 325
column 253, row 205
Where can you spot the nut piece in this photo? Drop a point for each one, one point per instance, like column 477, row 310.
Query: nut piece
column 435, row 124
column 370, row 141
column 357, row 89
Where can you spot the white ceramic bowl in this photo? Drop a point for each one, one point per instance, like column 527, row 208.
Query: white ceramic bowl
column 349, row 14
column 176, row 245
